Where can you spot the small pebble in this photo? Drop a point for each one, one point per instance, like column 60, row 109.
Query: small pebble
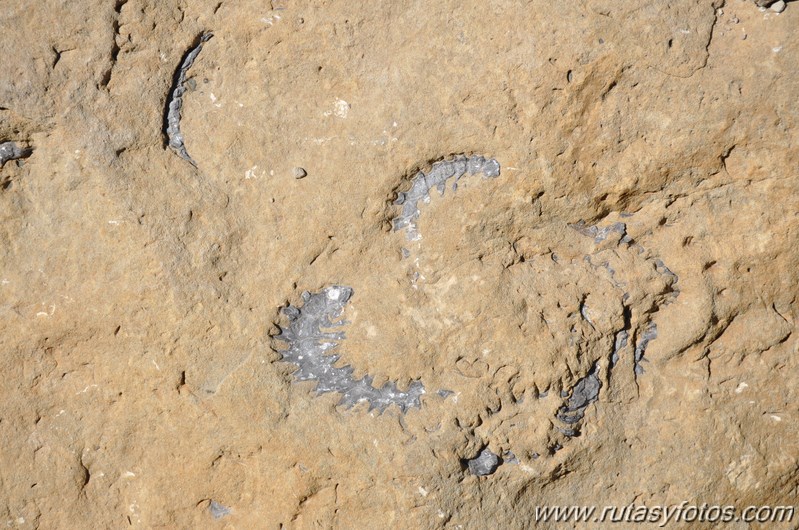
column 778, row 7
column 300, row 173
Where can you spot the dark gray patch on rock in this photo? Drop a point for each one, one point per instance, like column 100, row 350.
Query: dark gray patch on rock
column 483, row 464
column 621, row 341
column 11, row 151
column 585, row 392
column 175, row 101
column 311, row 348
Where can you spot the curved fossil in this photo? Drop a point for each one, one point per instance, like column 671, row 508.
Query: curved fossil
column 437, row 177
column 312, row 349
column 314, row 333
column 175, row 101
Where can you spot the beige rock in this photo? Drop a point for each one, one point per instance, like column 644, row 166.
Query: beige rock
column 139, row 294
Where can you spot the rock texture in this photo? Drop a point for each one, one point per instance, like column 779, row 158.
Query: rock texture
column 609, row 320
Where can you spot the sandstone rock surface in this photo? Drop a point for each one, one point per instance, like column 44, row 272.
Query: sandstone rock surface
column 633, row 264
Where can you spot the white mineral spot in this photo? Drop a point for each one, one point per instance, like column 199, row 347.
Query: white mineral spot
column 741, row 387
column 775, row 417
column 342, row 108
column 250, row 173
column 422, row 491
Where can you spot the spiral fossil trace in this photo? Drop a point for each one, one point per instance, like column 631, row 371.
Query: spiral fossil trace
column 313, row 336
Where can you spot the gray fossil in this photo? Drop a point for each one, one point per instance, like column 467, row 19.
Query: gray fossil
column 312, row 341
column 440, row 172
column 175, row 101
column 585, row 392
column 11, row 151
column 483, row 464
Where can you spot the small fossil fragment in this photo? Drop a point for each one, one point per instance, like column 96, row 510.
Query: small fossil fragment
column 778, row 6
column 650, row 333
column 509, row 458
column 218, row 510
column 11, row 151
column 585, row 392
column 175, row 101
column 599, row 234
column 483, row 464
column 310, row 348
column 621, row 342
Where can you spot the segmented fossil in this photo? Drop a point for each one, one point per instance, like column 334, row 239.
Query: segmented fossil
column 174, row 105
column 314, row 335
column 312, row 348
